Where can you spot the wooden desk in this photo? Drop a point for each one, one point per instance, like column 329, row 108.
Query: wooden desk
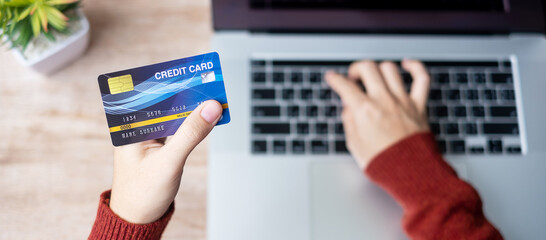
column 55, row 150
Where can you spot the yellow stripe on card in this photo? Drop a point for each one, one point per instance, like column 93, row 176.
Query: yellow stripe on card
column 121, row 84
column 154, row 121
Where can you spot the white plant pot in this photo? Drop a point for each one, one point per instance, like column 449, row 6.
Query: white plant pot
column 62, row 53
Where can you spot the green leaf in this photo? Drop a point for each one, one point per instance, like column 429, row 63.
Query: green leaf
column 35, row 23
column 24, row 34
column 8, row 13
column 25, row 13
column 66, row 7
column 18, row 3
column 60, row 2
column 43, row 18
column 11, row 27
column 49, row 36
column 55, row 18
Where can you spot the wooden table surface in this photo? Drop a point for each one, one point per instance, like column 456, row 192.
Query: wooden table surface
column 55, row 150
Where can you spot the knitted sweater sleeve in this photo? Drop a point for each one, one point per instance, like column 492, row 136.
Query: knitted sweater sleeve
column 437, row 204
column 110, row 226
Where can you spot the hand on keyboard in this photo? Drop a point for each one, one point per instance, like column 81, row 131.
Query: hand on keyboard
column 385, row 113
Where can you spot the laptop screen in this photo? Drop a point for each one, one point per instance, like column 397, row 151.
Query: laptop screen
column 399, row 16
column 415, row 5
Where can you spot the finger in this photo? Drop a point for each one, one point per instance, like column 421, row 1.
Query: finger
column 370, row 76
column 394, row 81
column 420, row 85
column 193, row 130
column 348, row 91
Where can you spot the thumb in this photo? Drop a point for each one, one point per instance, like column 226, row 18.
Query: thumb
column 194, row 129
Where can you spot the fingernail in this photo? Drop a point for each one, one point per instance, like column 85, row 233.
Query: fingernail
column 211, row 111
column 329, row 73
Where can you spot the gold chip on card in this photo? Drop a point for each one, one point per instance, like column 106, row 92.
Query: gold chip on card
column 121, row 84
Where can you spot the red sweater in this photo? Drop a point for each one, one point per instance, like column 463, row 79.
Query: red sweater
column 437, row 204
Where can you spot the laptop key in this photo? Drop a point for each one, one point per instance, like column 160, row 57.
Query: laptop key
column 494, row 146
column 470, row 128
column 341, row 146
column 288, row 94
column 441, row 78
column 476, row 150
column 478, row 78
column 319, row 146
column 321, row 128
column 298, row 146
column 271, row 128
column 263, row 94
column 279, row 147
column 478, row 111
column 325, row 94
column 302, row 128
column 435, row 128
column 259, row 146
column 457, row 146
column 500, row 128
column 296, row 77
column 266, row 111
column 330, row 111
column 293, row 111
column 513, row 149
column 489, row 94
column 306, row 94
column 461, row 78
column 315, row 77
column 500, row 78
column 451, row 128
column 278, row 77
column 503, row 111
column 440, row 111
column 311, row 111
column 339, row 128
column 435, row 94
column 459, row 111
column 471, row 94
column 258, row 77
column 454, row 94
column 507, row 94
column 442, row 146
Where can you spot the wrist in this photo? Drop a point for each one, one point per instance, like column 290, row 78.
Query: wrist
column 134, row 212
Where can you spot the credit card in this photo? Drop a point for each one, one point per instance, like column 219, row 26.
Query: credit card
column 152, row 101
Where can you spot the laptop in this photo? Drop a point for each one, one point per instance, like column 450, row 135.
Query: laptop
column 281, row 170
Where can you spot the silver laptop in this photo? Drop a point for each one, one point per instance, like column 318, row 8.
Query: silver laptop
column 280, row 169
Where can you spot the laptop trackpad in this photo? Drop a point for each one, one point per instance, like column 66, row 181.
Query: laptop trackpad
column 346, row 205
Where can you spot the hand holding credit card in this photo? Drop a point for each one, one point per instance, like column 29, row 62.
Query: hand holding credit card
column 152, row 101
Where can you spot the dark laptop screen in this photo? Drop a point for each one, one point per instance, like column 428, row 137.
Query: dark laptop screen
column 382, row 16
column 415, row 5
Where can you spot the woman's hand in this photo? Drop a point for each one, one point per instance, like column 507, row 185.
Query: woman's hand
column 385, row 113
column 147, row 174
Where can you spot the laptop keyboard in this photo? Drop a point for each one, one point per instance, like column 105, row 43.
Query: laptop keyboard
column 471, row 108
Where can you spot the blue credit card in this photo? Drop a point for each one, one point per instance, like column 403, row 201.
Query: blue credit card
column 152, row 101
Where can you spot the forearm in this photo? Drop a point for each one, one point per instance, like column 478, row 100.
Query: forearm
column 437, row 204
column 110, row 226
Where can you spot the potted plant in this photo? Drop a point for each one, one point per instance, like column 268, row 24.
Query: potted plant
column 45, row 35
